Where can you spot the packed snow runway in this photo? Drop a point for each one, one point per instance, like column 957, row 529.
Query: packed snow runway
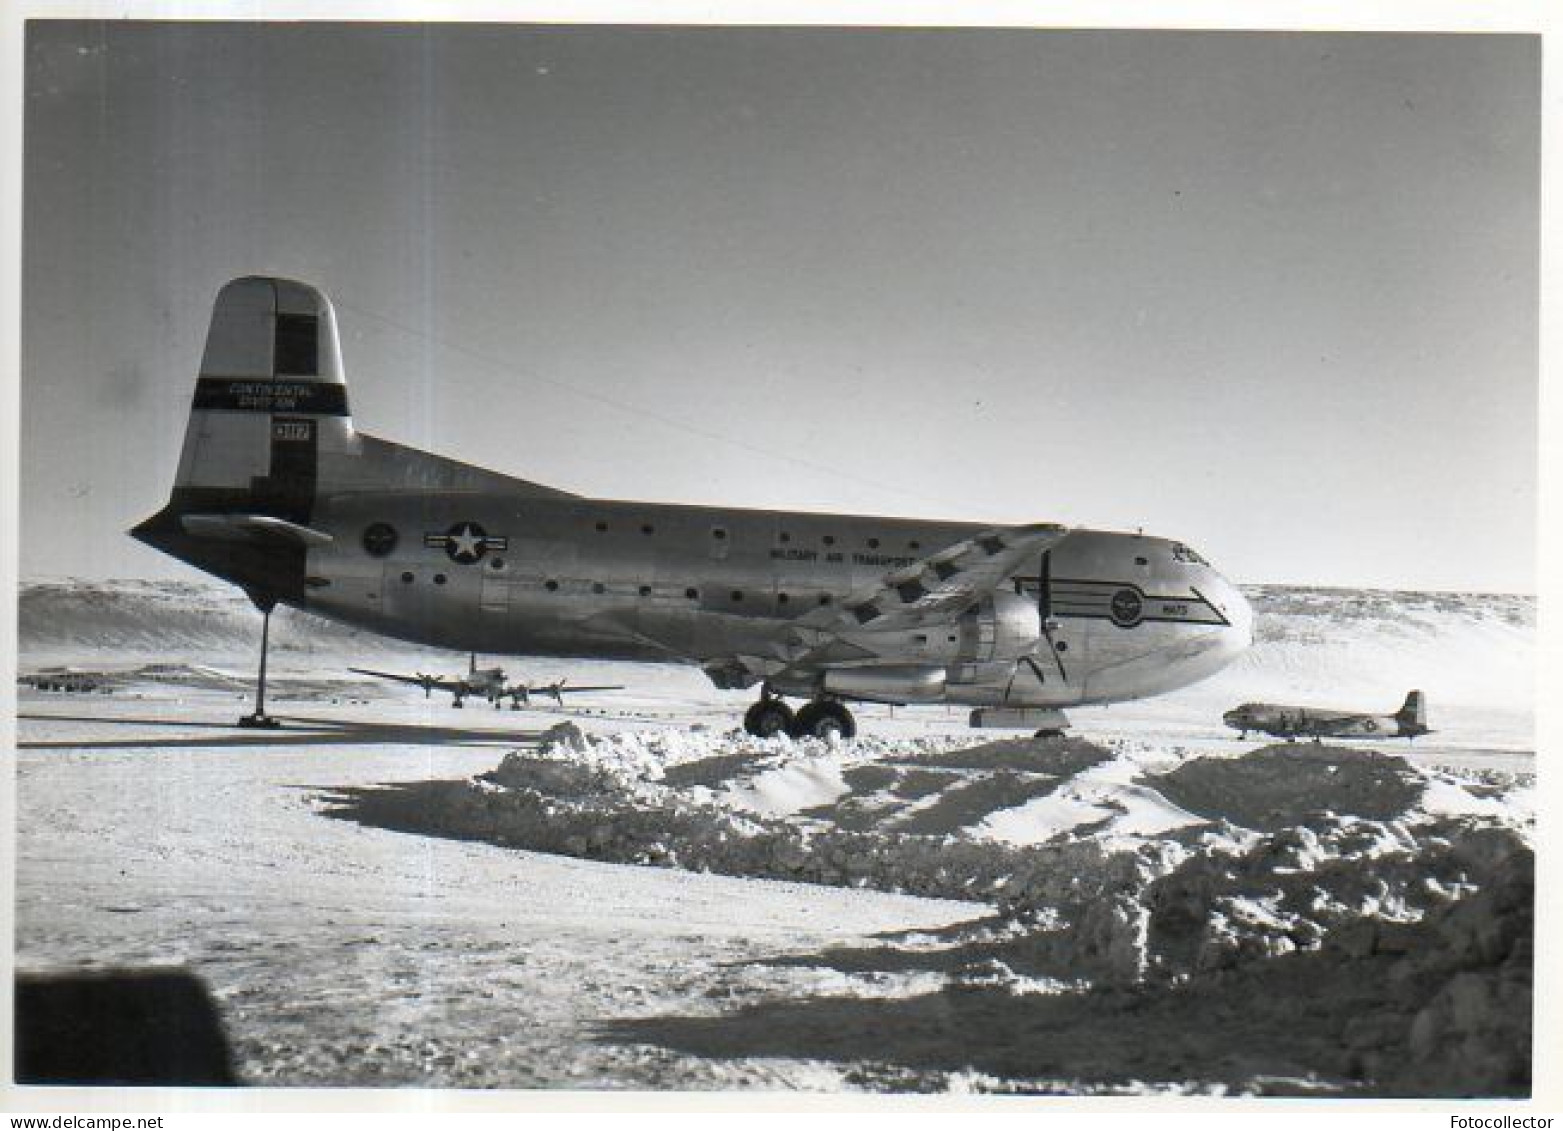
column 350, row 955
column 390, row 891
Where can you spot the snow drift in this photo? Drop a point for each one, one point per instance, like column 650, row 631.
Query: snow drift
column 1110, row 866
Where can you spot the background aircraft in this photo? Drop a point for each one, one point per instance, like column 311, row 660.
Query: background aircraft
column 487, row 683
column 73, row 680
column 277, row 492
column 109, row 680
column 1320, row 722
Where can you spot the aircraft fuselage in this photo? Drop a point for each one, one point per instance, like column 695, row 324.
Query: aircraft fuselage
column 278, row 492
column 573, row 577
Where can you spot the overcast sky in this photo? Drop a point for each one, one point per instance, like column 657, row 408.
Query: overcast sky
column 1273, row 294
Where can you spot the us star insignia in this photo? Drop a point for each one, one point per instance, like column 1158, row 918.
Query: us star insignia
column 466, row 542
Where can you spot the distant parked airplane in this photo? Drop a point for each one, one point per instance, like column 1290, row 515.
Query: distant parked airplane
column 277, row 492
column 108, row 680
column 68, row 680
column 1320, row 722
column 489, row 684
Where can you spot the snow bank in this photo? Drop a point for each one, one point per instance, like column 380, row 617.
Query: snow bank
column 167, row 618
column 1109, row 866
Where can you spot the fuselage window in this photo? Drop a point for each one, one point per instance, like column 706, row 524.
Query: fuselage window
column 824, row 598
column 692, row 594
column 738, row 595
column 647, row 528
column 914, row 544
column 718, row 533
column 873, row 543
column 781, row 598
column 551, row 585
column 829, row 539
column 439, row 579
column 784, row 537
column 598, row 587
column 645, row 590
column 407, row 579
column 602, row 527
column 497, row 563
column 379, row 539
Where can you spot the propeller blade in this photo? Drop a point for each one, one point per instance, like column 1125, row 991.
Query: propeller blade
column 1045, row 612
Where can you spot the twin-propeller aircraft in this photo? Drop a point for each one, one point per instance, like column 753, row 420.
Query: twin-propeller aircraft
column 277, row 492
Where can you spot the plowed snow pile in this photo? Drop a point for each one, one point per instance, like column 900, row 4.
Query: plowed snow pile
column 1394, row 899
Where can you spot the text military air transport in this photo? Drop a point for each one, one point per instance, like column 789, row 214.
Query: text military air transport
column 277, row 492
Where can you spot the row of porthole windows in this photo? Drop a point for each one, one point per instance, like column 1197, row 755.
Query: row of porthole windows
column 720, row 533
column 380, row 539
column 692, row 593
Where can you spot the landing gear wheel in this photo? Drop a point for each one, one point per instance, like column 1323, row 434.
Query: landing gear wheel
column 767, row 718
column 1049, row 732
column 822, row 719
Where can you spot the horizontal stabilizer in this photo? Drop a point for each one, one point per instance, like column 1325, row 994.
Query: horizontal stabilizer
column 252, row 528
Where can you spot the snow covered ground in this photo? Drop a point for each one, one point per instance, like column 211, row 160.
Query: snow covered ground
column 390, row 891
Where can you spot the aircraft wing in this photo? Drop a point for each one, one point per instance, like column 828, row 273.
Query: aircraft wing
column 451, row 685
column 933, row 591
column 568, row 688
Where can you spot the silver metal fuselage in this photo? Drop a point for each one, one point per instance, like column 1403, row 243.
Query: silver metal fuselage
column 278, row 492
column 574, row 577
column 1315, row 722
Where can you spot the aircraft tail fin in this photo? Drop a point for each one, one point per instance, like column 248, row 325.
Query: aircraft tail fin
column 269, row 438
column 1412, row 716
column 270, row 400
column 268, row 424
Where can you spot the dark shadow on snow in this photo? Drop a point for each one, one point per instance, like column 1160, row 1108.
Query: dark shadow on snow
column 1293, row 1025
column 294, row 731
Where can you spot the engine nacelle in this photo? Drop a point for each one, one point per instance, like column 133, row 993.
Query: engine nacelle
column 1002, row 626
column 888, row 684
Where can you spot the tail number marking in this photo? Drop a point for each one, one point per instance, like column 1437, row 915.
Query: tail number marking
column 292, row 431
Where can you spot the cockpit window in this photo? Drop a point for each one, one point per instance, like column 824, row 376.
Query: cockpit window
column 1187, row 555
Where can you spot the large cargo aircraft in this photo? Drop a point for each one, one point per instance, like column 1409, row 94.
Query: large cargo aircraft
column 1286, row 721
column 277, row 492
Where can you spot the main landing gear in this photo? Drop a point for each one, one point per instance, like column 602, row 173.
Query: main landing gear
column 769, row 717
column 824, row 718
column 821, row 718
column 258, row 718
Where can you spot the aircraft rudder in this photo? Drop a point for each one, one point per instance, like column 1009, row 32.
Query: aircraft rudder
column 1412, row 715
column 270, row 395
